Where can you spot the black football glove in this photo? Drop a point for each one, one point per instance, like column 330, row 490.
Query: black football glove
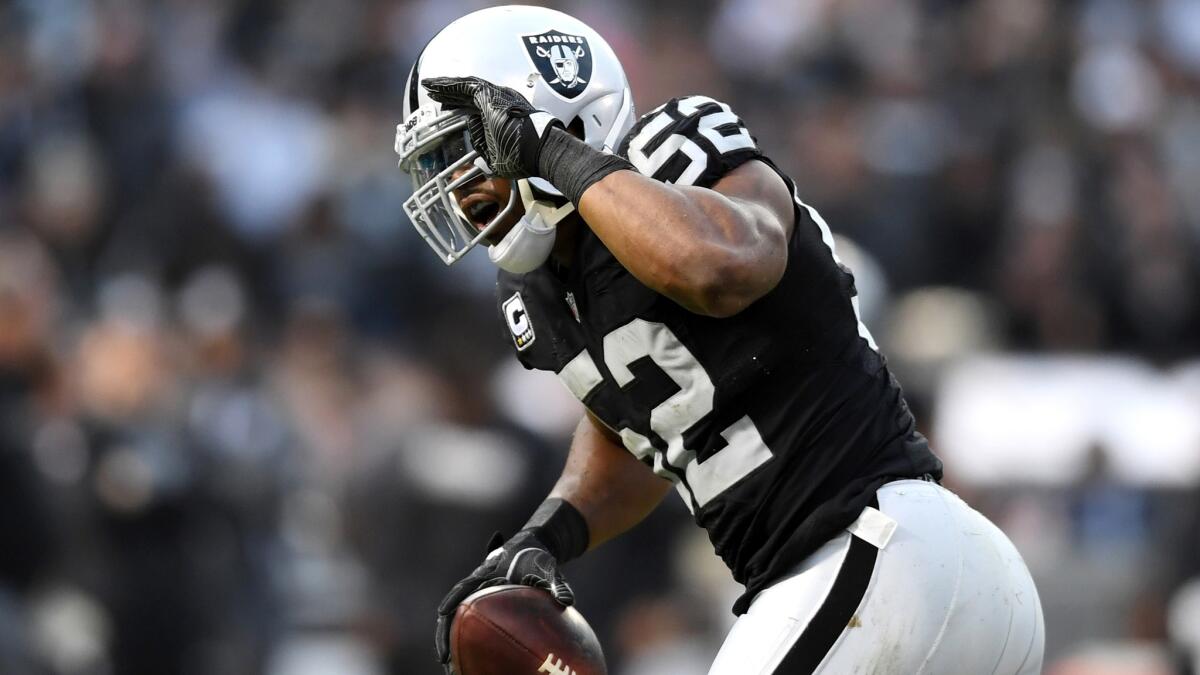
column 521, row 560
column 513, row 130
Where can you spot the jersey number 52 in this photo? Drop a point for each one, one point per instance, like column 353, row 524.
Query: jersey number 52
column 745, row 450
column 718, row 127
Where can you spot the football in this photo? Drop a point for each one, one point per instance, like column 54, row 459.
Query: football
column 514, row 630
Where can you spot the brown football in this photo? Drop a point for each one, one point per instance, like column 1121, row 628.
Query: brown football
column 519, row 630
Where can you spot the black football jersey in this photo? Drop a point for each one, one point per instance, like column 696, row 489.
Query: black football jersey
column 776, row 424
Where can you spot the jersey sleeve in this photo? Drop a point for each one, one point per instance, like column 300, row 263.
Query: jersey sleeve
column 689, row 141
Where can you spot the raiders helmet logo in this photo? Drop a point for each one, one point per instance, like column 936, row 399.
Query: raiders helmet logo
column 564, row 61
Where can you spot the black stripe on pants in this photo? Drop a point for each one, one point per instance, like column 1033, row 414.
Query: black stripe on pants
column 835, row 613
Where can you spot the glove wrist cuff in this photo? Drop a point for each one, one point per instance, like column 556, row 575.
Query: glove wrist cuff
column 561, row 528
column 572, row 166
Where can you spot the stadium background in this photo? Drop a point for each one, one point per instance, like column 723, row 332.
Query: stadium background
column 250, row 425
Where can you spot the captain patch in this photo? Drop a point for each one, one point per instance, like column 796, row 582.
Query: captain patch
column 518, row 321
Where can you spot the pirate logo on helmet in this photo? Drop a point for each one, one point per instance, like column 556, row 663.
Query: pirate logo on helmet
column 564, row 61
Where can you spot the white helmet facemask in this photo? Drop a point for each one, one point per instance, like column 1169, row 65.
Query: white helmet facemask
column 435, row 149
column 556, row 62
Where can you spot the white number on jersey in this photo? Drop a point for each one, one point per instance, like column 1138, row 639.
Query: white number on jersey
column 745, row 450
column 698, row 158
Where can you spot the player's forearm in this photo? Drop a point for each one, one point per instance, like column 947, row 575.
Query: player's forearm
column 610, row 488
column 696, row 246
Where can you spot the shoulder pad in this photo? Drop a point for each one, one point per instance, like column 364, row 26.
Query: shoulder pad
column 689, row 141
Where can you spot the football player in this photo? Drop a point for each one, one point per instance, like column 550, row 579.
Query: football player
column 671, row 276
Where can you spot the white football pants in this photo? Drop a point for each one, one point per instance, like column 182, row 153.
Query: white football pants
column 923, row 585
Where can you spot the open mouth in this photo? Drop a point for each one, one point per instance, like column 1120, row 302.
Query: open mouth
column 481, row 211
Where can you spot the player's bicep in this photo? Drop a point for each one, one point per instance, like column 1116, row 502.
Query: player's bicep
column 757, row 189
column 699, row 142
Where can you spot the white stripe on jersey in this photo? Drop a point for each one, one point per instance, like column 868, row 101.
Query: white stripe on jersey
column 827, row 238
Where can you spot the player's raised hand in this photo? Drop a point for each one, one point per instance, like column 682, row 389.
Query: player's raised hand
column 520, row 560
column 513, row 129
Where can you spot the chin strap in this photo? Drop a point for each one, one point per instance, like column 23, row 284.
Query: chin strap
column 529, row 243
column 550, row 208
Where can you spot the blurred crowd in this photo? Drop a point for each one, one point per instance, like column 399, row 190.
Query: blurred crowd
column 250, row 424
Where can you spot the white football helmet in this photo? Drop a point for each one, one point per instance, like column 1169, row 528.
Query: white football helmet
column 556, row 62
